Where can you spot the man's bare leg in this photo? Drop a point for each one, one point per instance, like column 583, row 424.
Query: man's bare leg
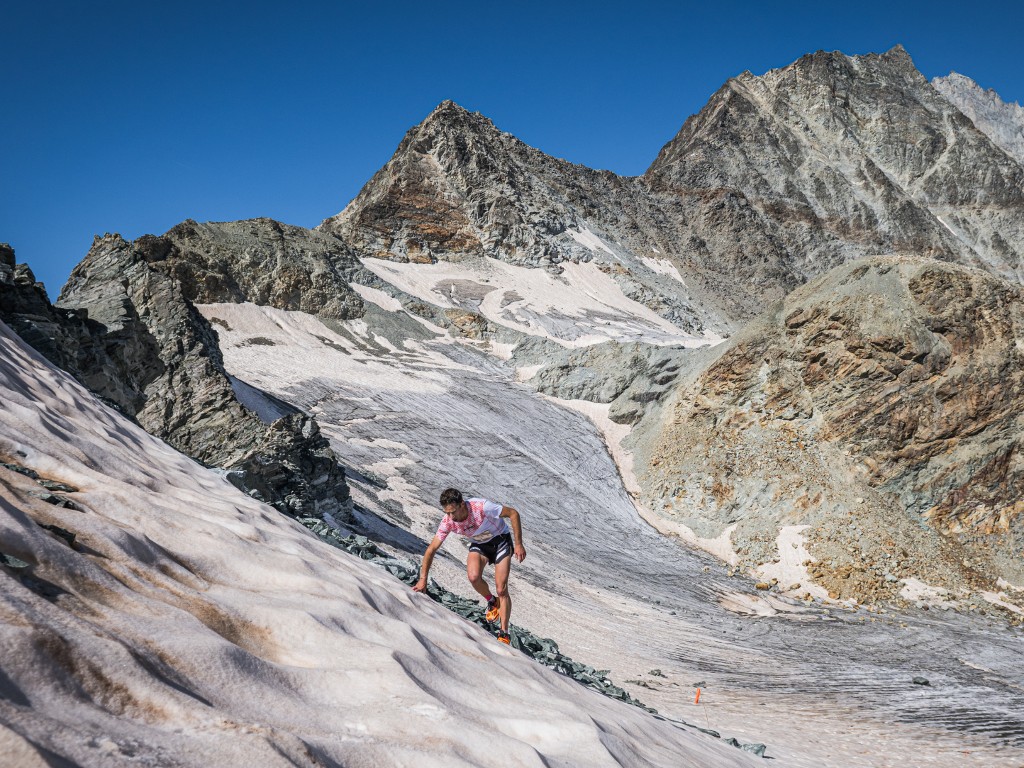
column 475, row 563
column 501, row 571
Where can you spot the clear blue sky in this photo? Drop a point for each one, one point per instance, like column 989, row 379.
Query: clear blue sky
column 132, row 116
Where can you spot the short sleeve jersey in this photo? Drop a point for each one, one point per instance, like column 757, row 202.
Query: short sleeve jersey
column 483, row 524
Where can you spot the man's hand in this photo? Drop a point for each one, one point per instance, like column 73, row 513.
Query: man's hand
column 420, row 586
column 520, row 552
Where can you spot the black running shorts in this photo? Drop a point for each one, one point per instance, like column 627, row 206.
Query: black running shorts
column 496, row 549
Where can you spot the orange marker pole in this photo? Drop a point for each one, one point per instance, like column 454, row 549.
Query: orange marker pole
column 696, row 699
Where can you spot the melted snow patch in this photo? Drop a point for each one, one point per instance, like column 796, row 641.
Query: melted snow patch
column 378, row 297
column 527, row 372
column 663, row 267
column 1002, row 600
column 588, row 239
column 919, row 591
column 1003, row 584
column 501, row 350
column 579, row 307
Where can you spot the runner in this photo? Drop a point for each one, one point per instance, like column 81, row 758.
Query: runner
column 486, row 525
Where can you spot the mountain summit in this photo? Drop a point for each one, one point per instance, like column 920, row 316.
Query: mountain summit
column 777, row 179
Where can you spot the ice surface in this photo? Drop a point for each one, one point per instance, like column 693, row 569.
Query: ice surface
column 617, row 594
column 195, row 626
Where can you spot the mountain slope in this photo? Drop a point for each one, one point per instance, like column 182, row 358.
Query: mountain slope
column 1001, row 121
column 881, row 406
column 853, row 156
column 128, row 332
column 778, row 179
column 165, row 617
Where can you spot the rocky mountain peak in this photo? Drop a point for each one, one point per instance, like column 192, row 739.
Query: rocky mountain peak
column 779, row 178
column 450, row 113
column 825, row 86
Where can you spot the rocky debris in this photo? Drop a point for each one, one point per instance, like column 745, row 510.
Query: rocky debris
column 881, row 405
column 294, row 469
column 47, row 484
column 1002, row 122
column 127, row 331
column 778, row 179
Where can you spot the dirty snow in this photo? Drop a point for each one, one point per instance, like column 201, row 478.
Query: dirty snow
column 790, row 569
column 579, row 307
column 589, row 239
column 199, row 627
column 663, row 267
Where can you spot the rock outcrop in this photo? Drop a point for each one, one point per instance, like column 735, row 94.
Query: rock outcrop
column 260, row 261
column 127, row 330
column 63, row 336
column 629, row 377
column 882, row 406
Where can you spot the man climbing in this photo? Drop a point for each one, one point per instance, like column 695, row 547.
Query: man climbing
column 486, row 525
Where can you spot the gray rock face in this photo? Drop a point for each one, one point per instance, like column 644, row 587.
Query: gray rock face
column 629, row 376
column 778, row 179
column 1001, row 121
column 127, row 331
column 851, row 156
column 62, row 336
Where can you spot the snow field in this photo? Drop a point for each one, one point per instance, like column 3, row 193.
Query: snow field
column 198, row 627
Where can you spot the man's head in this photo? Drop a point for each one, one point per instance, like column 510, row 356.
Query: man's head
column 452, row 503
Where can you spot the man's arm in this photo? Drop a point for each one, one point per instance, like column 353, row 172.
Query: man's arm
column 517, row 531
column 428, row 558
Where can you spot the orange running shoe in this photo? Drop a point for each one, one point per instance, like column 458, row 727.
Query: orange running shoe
column 503, row 637
column 492, row 610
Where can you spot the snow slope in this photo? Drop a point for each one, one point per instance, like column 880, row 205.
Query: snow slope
column 191, row 625
column 821, row 686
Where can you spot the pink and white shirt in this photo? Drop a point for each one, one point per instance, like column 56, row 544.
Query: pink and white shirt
column 483, row 524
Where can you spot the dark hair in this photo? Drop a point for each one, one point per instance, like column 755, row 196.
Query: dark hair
column 450, row 496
